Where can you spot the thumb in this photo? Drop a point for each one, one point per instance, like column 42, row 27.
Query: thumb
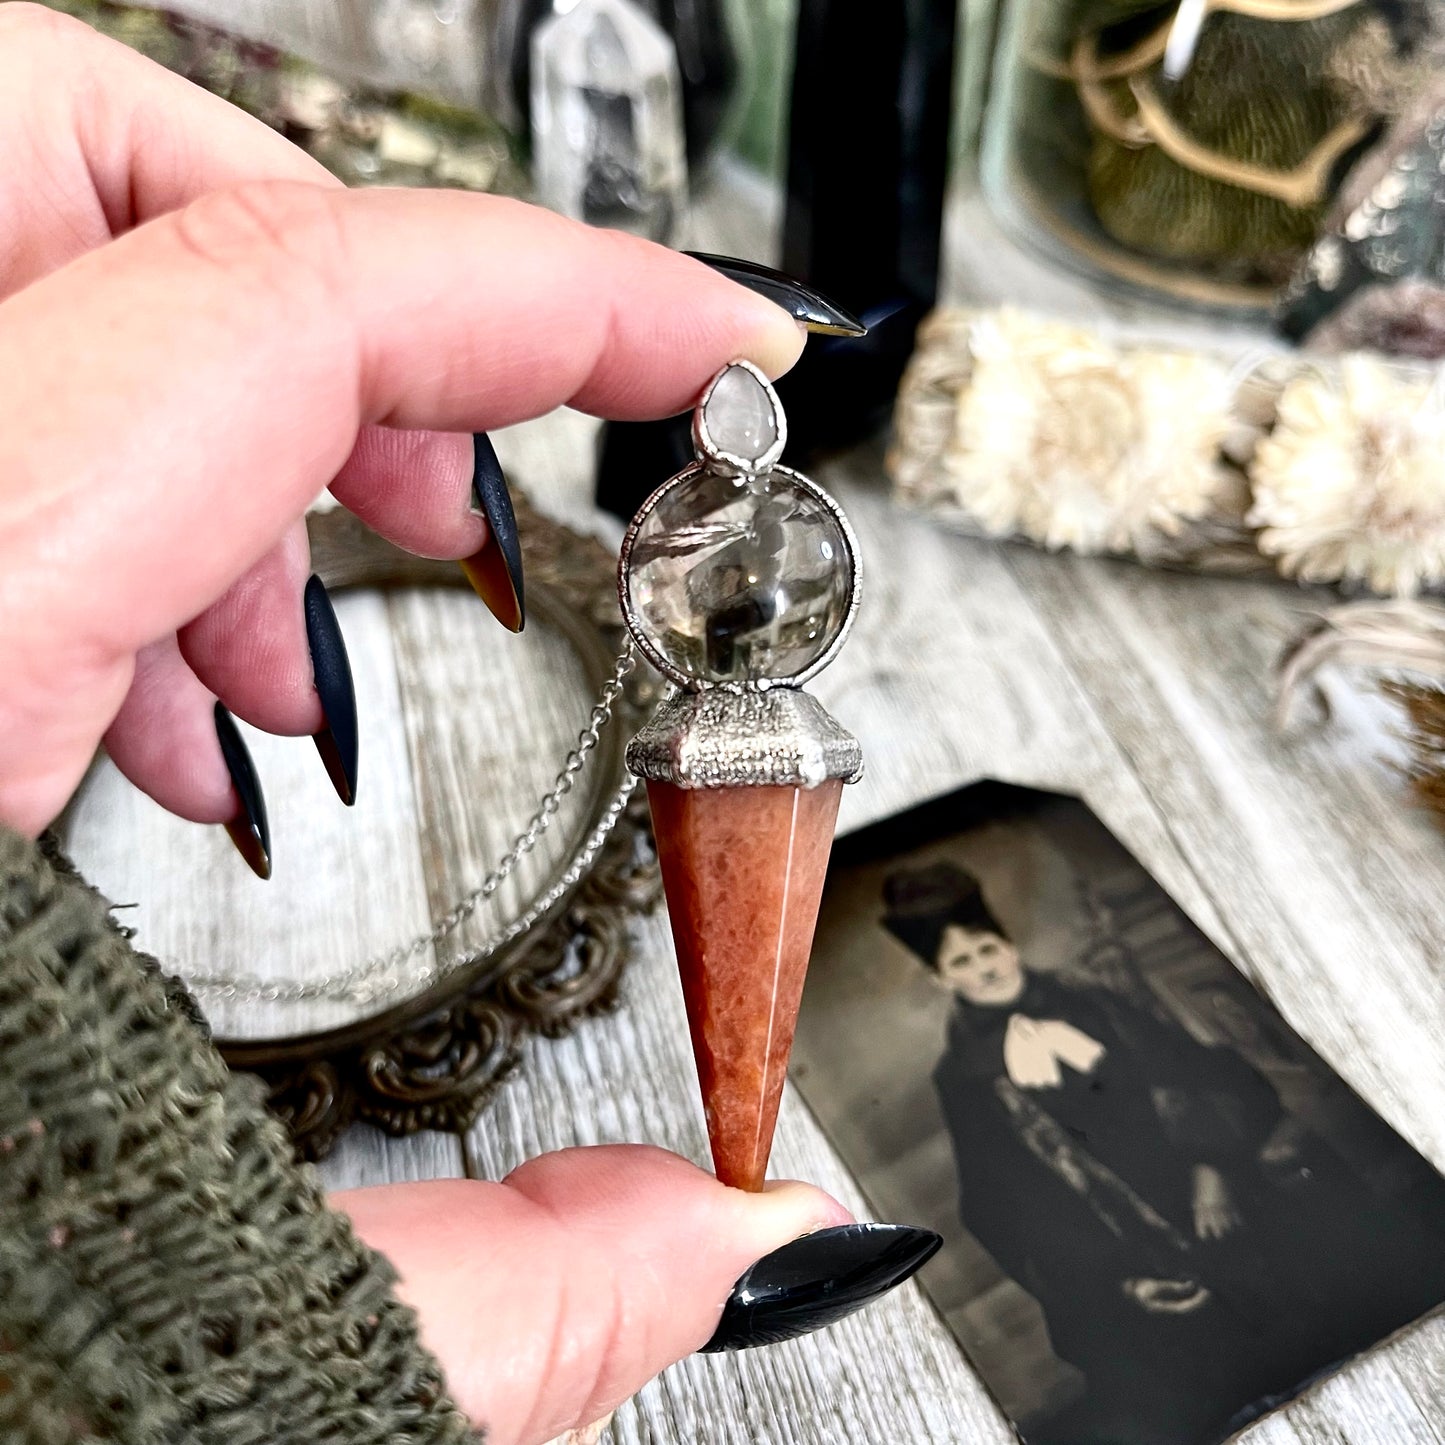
column 552, row 1297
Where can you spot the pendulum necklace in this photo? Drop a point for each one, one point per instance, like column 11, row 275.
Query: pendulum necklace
column 738, row 580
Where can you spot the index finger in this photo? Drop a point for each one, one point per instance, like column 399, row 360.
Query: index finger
column 95, row 139
column 206, row 375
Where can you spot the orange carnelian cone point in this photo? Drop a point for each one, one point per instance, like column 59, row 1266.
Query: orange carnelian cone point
column 743, row 869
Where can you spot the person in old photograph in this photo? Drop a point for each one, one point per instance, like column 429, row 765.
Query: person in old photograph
column 1121, row 1172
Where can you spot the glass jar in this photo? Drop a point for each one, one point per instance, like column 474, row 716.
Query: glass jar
column 1194, row 148
column 342, row 106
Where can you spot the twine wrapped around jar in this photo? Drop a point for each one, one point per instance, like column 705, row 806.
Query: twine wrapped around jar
column 1014, row 426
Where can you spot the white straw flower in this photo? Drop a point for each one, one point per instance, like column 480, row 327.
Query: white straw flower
column 1350, row 484
column 1071, row 442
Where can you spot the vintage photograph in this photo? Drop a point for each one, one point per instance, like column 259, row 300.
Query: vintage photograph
column 1163, row 1213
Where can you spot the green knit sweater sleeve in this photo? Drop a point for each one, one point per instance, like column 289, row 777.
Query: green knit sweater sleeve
column 167, row 1273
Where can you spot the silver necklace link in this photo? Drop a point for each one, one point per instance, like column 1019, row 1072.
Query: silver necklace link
column 379, row 976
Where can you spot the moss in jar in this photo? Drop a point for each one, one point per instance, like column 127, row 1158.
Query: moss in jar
column 1228, row 163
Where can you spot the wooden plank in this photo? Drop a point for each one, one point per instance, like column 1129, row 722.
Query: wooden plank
column 952, row 676
column 365, row 1156
column 1275, row 1429
column 1419, row 1355
column 552, row 461
column 1368, row 1403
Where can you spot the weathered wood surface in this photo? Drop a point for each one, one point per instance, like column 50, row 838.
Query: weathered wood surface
column 1300, row 855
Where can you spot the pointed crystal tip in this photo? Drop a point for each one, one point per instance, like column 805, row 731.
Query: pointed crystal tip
column 743, row 869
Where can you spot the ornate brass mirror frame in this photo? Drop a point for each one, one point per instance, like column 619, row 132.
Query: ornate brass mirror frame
column 433, row 1061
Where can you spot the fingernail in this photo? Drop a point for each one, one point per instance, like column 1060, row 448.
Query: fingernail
column 801, row 302
column 249, row 829
column 496, row 571
column 817, row 1280
column 331, row 668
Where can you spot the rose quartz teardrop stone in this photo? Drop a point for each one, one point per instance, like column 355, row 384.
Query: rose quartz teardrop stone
column 743, row 870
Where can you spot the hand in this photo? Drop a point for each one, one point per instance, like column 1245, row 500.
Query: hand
column 1214, row 1211
column 552, row 1297
column 1167, row 1296
column 199, row 331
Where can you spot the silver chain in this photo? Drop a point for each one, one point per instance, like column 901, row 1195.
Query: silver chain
column 378, row 976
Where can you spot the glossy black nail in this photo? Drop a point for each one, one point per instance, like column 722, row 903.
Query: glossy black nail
column 249, row 830
column 817, row 1280
column 801, row 302
column 496, row 571
column 331, row 668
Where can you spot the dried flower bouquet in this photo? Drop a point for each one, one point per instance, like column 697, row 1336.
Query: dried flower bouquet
column 1011, row 425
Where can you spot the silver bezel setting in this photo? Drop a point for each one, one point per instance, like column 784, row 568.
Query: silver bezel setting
column 698, row 684
column 730, row 464
column 780, row 738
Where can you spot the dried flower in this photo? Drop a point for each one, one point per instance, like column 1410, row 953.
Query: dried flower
column 1071, row 442
column 1350, row 484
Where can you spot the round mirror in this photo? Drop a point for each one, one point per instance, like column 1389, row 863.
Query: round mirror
column 353, row 981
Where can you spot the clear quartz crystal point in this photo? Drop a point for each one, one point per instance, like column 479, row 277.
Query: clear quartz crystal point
column 607, row 131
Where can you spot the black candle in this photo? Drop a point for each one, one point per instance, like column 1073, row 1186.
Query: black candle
column 868, row 152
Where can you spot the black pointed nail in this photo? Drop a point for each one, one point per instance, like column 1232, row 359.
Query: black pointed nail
column 496, row 571
column 801, row 302
column 330, row 666
column 249, row 830
column 818, row 1279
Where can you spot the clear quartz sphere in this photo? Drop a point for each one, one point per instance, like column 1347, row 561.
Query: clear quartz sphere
column 734, row 581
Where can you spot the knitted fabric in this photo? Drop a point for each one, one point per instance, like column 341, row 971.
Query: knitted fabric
column 167, row 1273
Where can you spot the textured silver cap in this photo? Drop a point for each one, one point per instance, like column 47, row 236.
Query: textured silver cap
column 722, row 739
